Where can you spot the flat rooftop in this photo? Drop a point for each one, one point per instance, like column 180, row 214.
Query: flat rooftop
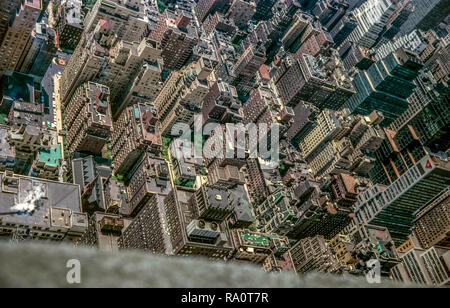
column 44, row 194
column 52, row 157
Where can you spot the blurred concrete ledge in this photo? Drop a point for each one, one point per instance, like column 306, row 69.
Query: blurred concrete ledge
column 38, row 265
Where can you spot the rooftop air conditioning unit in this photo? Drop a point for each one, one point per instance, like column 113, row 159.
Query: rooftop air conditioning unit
column 202, row 229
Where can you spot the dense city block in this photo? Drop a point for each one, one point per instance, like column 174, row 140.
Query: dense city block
column 294, row 135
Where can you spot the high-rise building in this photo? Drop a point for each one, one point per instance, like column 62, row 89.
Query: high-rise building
column 115, row 196
column 317, row 42
column 26, row 141
column 242, row 216
column 278, row 213
column 374, row 243
column 401, row 14
column 329, row 12
column 327, row 127
column 212, row 203
column 432, row 222
column 112, row 51
column 182, row 96
column 176, row 37
column 323, row 86
column 356, row 56
column 7, row 11
column 41, row 52
column 321, row 213
column 300, row 30
column 87, row 119
column 191, row 236
column 303, row 123
column 264, row 9
column 343, row 29
column 416, row 41
column 255, row 247
column 372, row 16
column 385, row 86
column 144, row 88
column 256, row 182
column 209, row 7
column 241, row 11
column 70, row 24
column 50, row 210
column 246, row 67
column 17, row 39
column 219, row 22
column 47, row 163
column 227, row 177
column 394, row 206
column 135, row 132
column 426, row 15
column 221, row 104
column 313, row 254
column 150, row 177
column 422, row 266
column 90, row 173
column 262, row 108
column 145, row 232
column 428, row 109
column 342, row 247
column 127, row 18
column 341, row 143
column 397, row 153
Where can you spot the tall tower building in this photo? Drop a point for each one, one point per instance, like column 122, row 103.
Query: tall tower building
column 425, row 15
column 426, row 266
column 241, row 11
column 317, row 84
column 210, row 202
column 136, row 131
column 149, row 177
column 327, row 127
column 182, row 96
column 209, row 7
column 343, row 29
column 112, row 51
column 145, row 232
column 176, row 38
column 398, row 152
column 371, row 18
column 264, row 9
column 191, row 236
column 313, row 254
column 127, row 18
column 432, row 222
column 104, row 231
column 246, row 67
column 221, row 104
column 386, row 85
column 255, row 247
column 41, row 52
column 87, row 119
column 70, row 24
column 7, row 12
column 17, row 39
column 394, row 206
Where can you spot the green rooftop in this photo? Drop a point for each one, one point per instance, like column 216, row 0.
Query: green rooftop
column 256, row 240
column 52, row 157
